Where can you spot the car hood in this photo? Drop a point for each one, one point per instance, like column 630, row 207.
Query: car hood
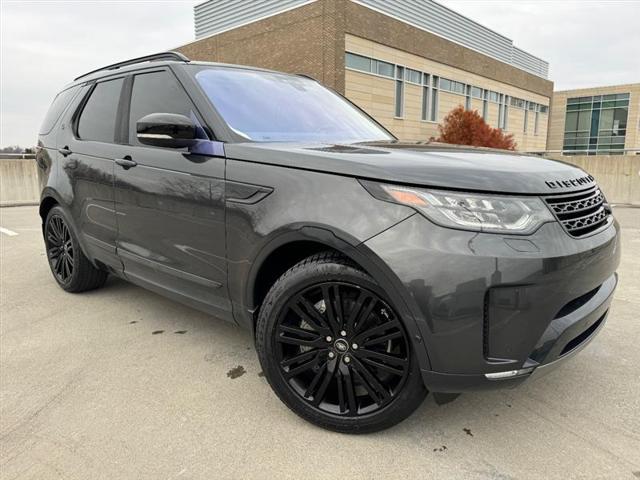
column 447, row 168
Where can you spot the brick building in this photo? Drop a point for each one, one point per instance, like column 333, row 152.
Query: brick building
column 406, row 63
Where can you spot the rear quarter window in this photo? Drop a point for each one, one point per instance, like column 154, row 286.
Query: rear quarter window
column 98, row 118
column 59, row 104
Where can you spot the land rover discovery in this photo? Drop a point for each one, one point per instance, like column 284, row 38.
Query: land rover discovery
column 370, row 271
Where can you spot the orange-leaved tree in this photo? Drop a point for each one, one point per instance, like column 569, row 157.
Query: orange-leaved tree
column 467, row 127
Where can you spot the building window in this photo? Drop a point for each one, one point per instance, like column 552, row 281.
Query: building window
column 505, row 112
column 399, row 91
column 494, row 97
column 425, row 96
column 434, row 100
column 368, row 65
column 535, row 123
column 467, row 100
column 517, row 102
column 596, row 125
column 485, row 104
column 452, row 86
column 500, row 110
column 526, row 117
column 476, row 92
column 382, row 68
column 358, row 62
column 414, row 76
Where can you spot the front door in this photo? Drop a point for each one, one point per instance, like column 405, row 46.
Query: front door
column 170, row 206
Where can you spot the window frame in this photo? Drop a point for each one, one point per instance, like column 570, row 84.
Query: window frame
column 75, row 120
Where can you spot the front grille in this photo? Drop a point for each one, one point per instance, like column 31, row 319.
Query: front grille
column 580, row 213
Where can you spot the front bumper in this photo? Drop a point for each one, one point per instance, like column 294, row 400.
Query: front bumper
column 486, row 305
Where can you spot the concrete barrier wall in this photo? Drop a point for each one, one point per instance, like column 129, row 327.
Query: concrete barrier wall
column 19, row 182
column 617, row 175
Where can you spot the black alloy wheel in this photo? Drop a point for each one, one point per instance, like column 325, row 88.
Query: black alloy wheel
column 70, row 267
column 335, row 350
column 342, row 349
column 60, row 250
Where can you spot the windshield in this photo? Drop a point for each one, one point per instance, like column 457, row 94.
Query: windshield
column 274, row 107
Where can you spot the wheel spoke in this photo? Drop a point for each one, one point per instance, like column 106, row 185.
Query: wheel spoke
column 372, row 332
column 58, row 264
column 309, row 314
column 316, row 379
column 303, row 367
column 361, row 309
column 370, row 390
column 298, row 336
column 67, row 268
column 370, row 382
column 309, row 354
column 334, row 322
column 57, row 225
column 51, row 238
column 342, row 401
column 338, row 299
column 329, row 373
column 384, row 357
column 382, row 366
column 384, row 338
column 351, row 393
column 365, row 316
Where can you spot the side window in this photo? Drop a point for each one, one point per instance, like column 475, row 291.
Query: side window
column 157, row 92
column 57, row 107
column 98, row 118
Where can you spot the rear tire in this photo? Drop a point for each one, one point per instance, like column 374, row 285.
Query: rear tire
column 70, row 267
column 334, row 350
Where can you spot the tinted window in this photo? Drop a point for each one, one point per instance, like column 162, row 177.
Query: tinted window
column 61, row 102
column 271, row 107
column 157, row 92
column 98, row 119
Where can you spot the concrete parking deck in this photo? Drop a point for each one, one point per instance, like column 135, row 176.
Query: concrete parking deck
column 121, row 383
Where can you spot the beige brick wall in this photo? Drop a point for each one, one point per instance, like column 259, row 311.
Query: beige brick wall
column 306, row 40
column 559, row 108
column 381, row 100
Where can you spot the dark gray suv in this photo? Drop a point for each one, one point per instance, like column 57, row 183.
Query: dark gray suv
column 370, row 271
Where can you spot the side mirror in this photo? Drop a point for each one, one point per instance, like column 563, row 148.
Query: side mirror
column 167, row 130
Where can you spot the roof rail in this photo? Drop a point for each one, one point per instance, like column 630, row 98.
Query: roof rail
column 156, row 57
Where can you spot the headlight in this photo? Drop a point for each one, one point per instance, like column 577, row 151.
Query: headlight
column 469, row 211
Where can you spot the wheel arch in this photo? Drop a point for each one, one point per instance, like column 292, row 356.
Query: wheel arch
column 48, row 200
column 286, row 249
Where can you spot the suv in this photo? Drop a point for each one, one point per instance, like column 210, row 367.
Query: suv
column 369, row 271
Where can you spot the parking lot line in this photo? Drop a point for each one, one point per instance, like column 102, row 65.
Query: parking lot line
column 8, row 232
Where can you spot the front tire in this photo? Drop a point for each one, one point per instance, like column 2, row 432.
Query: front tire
column 334, row 350
column 70, row 267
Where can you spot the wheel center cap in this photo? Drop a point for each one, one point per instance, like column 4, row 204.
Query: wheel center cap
column 341, row 345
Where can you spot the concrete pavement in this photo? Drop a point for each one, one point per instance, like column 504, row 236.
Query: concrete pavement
column 121, row 383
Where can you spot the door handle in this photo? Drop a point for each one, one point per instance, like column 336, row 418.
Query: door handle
column 126, row 162
column 64, row 151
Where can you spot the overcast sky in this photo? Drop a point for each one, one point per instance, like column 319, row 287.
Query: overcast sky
column 45, row 44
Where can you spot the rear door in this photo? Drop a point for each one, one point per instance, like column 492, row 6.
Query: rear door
column 170, row 205
column 87, row 146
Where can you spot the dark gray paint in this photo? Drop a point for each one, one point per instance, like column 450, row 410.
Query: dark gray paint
column 200, row 227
